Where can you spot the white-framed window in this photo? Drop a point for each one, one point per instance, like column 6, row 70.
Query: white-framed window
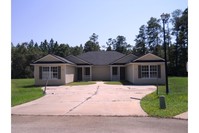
column 149, row 71
column 45, row 73
column 87, row 71
column 144, row 71
column 153, row 71
column 49, row 73
column 114, row 70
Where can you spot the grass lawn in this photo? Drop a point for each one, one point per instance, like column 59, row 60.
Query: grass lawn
column 23, row 90
column 176, row 100
column 113, row 82
column 81, row 83
column 117, row 83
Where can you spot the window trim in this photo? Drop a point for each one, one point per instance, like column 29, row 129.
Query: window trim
column 145, row 71
column 87, row 71
column 115, row 72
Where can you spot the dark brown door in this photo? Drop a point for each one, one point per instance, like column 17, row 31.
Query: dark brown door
column 122, row 73
column 79, row 74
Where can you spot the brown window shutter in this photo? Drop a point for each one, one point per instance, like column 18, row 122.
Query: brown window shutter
column 159, row 71
column 139, row 71
column 59, row 72
column 40, row 72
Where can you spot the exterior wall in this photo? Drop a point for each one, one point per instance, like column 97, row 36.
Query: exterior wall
column 115, row 77
column 129, row 73
column 132, row 74
column 100, row 73
column 69, row 74
column 50, row 82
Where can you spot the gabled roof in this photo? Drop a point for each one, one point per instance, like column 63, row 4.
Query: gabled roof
column 76, row 60
column 100, row 57
column 52, row 59
column 149, row 58
column 125, row 59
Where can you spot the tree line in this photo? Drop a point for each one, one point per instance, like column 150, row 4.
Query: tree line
column 149, row 39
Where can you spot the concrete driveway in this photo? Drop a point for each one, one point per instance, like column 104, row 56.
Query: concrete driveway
column 98, row 99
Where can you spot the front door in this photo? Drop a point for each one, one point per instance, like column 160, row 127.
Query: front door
column 79, row 74
column 122, row 73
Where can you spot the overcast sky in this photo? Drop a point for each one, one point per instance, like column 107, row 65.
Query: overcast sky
column 74, row 21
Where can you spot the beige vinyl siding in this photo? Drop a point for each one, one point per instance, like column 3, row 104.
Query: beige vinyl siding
column 70, row 74
column 129, row 73
column 48, row 58
column 42, row 82
column 149, row 57
column 101, row 73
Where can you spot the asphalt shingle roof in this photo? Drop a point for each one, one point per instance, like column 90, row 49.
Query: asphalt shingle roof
column 76, row 60
column 125, row 59
column 61, row 60
column 100, row 57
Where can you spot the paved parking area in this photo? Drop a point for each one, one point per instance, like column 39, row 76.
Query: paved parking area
column 98, row 100
column 94, row 124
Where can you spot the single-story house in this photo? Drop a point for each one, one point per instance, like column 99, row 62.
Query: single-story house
column 99, row 66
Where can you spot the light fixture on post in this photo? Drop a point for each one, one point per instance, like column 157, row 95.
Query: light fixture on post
column 165, row 18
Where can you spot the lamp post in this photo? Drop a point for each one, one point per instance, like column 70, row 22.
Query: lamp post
column 164, row 18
